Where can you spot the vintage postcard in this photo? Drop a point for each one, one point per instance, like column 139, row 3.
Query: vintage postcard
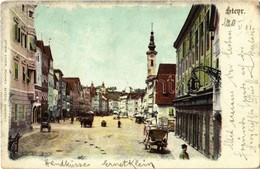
column 130, row 84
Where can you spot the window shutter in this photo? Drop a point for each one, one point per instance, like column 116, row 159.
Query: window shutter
column 20, row 112
column 32, row 44
column 25, row 45
column 16, row 70
column 24, row 112
column 18, row 35
column 28, row 75
column 15, row 32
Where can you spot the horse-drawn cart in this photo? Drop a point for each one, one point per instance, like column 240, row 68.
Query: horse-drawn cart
column 45, row 122
column 87, row 119
column 157, row 136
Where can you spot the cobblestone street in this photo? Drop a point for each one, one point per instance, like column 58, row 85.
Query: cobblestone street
column 70, row 140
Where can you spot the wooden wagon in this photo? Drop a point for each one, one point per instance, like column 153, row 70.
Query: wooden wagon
column 157, row 136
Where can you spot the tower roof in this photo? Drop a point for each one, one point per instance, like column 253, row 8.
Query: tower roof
column 151, row 45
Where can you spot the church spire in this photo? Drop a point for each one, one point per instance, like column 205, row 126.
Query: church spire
column 151, row 45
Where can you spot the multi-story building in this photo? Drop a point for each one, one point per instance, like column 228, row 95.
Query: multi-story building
column 133, row 101
column 140, row 108
column 48, row 53
column 86, row 99
column 22, row 69
column 92, row 94
column 113, row 101
column 55, row 94
column 165, row 89
column 44, row 79
column 64, row 98
column 194, row 111
column 73, row 90
column 99, row 101
column 61, row 93
column 36, row 113
column 123, row 103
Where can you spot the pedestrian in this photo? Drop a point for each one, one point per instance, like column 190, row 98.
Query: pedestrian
column 184, row 155
column 118, row 123
column 58, row 119
column 72, row 119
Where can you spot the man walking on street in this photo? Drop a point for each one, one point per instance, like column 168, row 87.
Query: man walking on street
column 72, row 119
column 118, row 123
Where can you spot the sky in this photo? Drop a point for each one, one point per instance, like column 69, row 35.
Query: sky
column 108, row 44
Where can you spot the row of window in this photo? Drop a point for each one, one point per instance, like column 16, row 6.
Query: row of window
column 21, row 37
column 195, row 40
column 18, row 112
column 25, row 73
column 30, row 12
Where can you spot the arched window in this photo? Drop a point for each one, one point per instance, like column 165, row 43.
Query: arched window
column 151, row 62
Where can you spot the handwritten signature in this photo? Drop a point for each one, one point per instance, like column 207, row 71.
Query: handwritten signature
column 65, row 163
column 128, row 163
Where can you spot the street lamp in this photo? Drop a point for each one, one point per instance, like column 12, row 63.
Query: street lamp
column 193, row 82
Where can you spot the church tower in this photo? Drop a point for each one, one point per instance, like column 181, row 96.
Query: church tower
column 151, row 57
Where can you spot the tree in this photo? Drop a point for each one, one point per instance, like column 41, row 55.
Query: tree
column 111, row 89
column 139, row 90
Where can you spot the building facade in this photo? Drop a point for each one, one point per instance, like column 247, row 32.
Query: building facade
column 87, row 98
column 133, row 103
column 55, row 94
column 73, row 90
column 22, row 71
column 123, row 103
column 165, row 90
column 61, row 108
column 48, row 53
column 113, row 101
column 36, row 113
column 44, row 79
column 194, row 112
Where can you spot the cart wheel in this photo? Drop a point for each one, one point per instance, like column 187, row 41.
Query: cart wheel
column 162, row 149
column 13, row 151
column 150, row 148
column 158, row 147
